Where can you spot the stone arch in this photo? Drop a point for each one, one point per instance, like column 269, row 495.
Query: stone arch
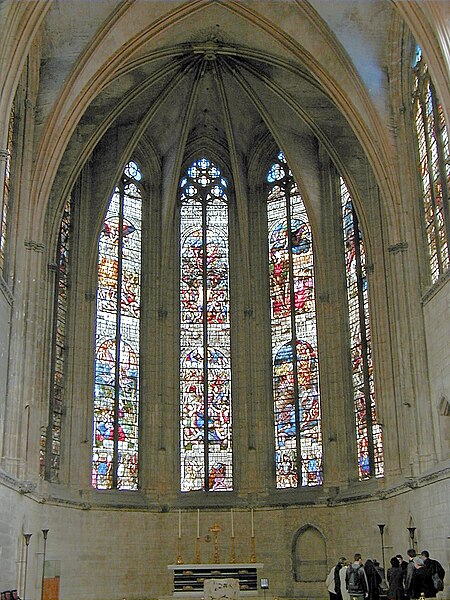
column 309, row 557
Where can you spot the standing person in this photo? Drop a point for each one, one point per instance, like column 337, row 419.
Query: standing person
column 402, row 562
column 395, row 577
column 422, row 582
column 333, row 580
column 356, row 579
column 409, row 572
column 342, row 577
column 381, row 572
column 373, row 579
column 436, row 569
column 329, row 582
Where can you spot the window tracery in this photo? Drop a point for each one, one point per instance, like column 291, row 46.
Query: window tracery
column 50, row 450
column 6, row 193
column 205, row 361
column 434, row 162
column 369, row 436
column 116, row 395
column 298, row 437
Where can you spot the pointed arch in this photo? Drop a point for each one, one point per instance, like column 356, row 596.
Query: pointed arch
column 369, row 435
column 309, row 557
column 434, row 161
column 298, row 437
column 205, row 361
column 116, row 395
column 51, row 435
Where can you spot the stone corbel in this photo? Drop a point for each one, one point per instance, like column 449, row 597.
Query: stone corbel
column 34, row 245
column 399, row 247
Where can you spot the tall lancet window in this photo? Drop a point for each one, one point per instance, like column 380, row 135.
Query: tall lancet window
column 205, row 362
column 6, row 194
column 434, row 157
column 369, row 437
column 298, row 438
column 50, row 452
column 116, row 398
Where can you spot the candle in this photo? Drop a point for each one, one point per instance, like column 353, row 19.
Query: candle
column 253, row 527
column 179, row 524
column 198, row 522
column 232, row 524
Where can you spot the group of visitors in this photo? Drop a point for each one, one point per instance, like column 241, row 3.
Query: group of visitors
column 9, row 595
column 420, row 577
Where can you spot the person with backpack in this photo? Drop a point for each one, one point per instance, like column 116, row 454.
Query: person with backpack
column 436, row 570
column 356, row 579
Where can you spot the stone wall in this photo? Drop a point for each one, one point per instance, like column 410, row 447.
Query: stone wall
column 123, row 553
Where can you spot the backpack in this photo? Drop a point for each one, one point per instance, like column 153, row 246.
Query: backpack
column 437, row 582
column 354, row 580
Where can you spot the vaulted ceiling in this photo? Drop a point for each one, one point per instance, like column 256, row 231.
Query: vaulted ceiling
column 227, row 75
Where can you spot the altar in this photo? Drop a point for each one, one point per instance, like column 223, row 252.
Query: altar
column 189, row 579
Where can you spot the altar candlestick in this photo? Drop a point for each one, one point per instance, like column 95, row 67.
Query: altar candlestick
column 179, row 524
column 253, row 526
column 198, row 522
column 232, row 524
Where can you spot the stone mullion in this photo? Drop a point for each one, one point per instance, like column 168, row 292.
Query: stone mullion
column 336, row 388
column 260, row 457
column 76, row 450
column 20, row 455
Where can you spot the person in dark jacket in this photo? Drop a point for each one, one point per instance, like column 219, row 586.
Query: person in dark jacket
column 409, row 572
column 434, row 567
column 395, row 577
column 373, row 579
column 422, row 581
column 356, row 579
column 402, row 562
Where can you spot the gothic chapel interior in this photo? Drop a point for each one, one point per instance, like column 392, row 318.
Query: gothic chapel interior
column 224, row 293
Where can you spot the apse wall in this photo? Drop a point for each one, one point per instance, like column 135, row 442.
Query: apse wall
column 437, row 327
column 120, row 553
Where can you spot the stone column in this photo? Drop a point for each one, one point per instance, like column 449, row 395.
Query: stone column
column 338, row 422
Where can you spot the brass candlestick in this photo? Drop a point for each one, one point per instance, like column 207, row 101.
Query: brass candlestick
column 179, row 557
column 233, row 555
column 197, row 550
column 253, row 557
column 215, row 530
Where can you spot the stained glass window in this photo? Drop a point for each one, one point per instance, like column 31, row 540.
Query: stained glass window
column 116, row 397
column 6, row 193
column 51, row 436
column 298, row 437
column 205, row 363
column 369, row 437
column 434, row 159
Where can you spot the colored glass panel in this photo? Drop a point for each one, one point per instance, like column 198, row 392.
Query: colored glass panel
column 50, row 451
column 434, row 160
column 205, row 363
column 116, row 397
column 6, row 193
column 369, row 438
column 298, row 437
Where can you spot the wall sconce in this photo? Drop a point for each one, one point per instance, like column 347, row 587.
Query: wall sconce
column 411, row 535
column 27, row 537
column 381, row 527
column 44, row 533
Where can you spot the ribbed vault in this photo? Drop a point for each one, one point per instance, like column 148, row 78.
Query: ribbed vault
column 185, row 98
